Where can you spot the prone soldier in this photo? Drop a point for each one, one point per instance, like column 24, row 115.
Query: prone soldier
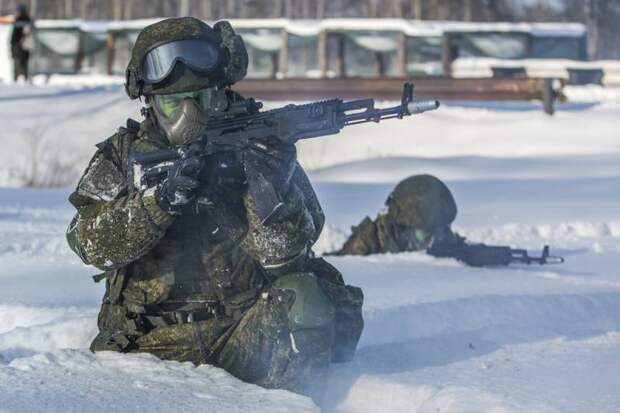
column 420, row 211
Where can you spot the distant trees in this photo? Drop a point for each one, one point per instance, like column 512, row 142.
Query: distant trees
column 601, row 16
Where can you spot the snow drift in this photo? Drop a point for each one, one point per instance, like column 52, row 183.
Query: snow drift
column 439, row 336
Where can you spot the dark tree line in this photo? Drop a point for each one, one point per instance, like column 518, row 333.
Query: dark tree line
column 600, row 16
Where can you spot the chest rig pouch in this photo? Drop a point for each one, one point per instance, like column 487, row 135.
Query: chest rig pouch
column 198, row 260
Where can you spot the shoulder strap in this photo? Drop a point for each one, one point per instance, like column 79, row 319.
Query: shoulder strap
column 127, row 136
column 133, row 125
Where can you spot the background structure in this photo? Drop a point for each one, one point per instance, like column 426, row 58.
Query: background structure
column 600, row 16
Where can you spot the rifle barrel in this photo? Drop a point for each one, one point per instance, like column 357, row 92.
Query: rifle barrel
column 422, row 106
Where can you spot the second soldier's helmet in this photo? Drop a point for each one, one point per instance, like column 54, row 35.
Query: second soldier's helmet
column 421, row 201
column 184, row 54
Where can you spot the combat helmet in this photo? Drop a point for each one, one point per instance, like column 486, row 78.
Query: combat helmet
column 210, row 57
column 421, row 201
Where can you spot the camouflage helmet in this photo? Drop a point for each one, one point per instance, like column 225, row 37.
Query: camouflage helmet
column 231, row 68
column 421, row 201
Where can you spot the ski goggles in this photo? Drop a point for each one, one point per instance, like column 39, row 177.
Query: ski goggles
column 197, row 54
column 422, row 236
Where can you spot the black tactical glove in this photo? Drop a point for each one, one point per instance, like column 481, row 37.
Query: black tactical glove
column 176, row 191
column 268, row 166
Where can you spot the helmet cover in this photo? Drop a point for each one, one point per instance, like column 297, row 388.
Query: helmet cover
column 233, row 64
column 421, row 201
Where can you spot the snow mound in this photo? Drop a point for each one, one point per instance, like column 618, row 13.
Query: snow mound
column 79, row 381
column 459, row 168
column 371, row 394
column 23, row 316
column 27, row 330
column 439, row 336
column 548, row 376
column 331, row 239
column 50, row 144
column 596, row 236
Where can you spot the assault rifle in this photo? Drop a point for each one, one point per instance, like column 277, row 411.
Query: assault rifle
column 241, row 124
column 481, row 255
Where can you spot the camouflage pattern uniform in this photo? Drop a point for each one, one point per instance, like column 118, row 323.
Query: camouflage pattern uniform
column 419, row 209
column 214, row 286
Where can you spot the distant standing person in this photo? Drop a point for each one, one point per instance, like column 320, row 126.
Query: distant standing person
column 21, row 42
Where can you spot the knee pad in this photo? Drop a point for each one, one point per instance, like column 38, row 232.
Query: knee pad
column 311, row 315
column 311, row 308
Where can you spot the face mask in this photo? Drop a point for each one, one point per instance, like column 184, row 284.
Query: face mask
column 183, row 116
column 411, row 239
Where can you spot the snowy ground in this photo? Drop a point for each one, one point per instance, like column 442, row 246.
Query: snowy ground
column 439, row 336
column 48, row 134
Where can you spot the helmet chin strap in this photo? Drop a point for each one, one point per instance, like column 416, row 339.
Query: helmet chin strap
column 188, row 125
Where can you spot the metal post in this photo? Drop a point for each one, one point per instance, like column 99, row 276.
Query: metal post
column 447, row 55
column 548, row 97
column 402, row 54
column 322, row 53
column 284, row 54
column 111, row 45
column 341, row 70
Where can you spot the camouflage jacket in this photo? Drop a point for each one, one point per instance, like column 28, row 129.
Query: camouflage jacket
column 219, row 252
column 380, row 236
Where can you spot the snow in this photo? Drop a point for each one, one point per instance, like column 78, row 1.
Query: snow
column 6, row 64
column 439, row 336
column 78, row 381
column 310, row 27
column 76, row 112
column 481, row 67
column 409, row 27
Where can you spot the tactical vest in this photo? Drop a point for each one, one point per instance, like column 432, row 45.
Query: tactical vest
column 198, row 271
column 176, row 281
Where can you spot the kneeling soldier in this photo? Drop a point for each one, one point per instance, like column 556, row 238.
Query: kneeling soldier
column 192, row 273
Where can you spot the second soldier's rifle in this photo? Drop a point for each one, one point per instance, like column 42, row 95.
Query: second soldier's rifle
column 241, row 124
column 481, row 255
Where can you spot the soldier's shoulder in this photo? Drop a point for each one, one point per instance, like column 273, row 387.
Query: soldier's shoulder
column 124, row 135
column 367, row 225
column 114, row 146
column 105, row 177
column 362, row 241
column 311, row 201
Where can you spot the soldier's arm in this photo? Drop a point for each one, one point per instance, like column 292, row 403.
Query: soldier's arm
column 362, row 241
column 113, row 228
column 280, row 243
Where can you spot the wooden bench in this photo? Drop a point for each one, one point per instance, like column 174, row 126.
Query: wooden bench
column 302, row 89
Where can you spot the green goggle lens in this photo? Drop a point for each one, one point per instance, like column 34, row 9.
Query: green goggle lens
column 169, row 104
column 422, row 236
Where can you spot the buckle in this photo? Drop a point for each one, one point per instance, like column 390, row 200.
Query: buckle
column 212, row 309
column 215, row 308
column 182, row 317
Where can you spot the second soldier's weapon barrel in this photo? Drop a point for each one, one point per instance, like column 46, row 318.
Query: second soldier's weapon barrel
column 482, row 255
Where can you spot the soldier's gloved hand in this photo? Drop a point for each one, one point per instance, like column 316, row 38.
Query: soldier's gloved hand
column 176, row 191
column 268, row 166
